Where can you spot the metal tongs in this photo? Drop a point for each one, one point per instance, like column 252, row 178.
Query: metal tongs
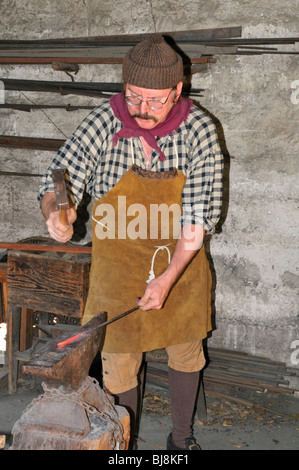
column 73, row 338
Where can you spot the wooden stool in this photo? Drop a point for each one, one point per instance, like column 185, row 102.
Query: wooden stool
column 49, row 282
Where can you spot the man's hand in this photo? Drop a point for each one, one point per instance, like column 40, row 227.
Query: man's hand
column 156, row 293
column 58, row 231
column 187, row 245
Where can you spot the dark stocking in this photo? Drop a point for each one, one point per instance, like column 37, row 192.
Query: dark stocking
column 129, row 400
column 183, row 392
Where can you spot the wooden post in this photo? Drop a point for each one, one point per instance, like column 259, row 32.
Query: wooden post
column 12, row 345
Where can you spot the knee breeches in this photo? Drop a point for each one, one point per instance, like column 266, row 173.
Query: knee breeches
column 120, row 370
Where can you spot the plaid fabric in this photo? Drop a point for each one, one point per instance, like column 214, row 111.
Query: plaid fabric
column 94, row 165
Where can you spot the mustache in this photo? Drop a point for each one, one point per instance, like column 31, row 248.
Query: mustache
column 145, row 116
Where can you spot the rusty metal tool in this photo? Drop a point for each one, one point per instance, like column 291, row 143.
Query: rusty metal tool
column 67, row 366
column 69, row 360
column 46, row 248
column 73, row 412
column 61, row 194
column 67, row 341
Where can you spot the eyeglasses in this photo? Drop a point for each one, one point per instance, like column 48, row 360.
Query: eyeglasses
column 152, row 104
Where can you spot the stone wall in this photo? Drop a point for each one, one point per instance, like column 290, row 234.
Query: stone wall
column 254, row 100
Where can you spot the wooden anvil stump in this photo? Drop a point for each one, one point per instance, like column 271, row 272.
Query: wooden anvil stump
column 74, row 413
column 84, row 420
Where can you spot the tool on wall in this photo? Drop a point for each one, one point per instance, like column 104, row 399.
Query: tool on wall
column 67, row 68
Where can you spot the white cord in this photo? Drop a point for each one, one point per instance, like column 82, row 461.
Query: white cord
column 98, row 222
column 151, row 272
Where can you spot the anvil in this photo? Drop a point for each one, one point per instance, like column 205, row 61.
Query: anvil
column 74, row 413
column 68, row 365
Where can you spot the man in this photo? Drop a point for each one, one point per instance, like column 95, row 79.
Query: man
column 145, row 150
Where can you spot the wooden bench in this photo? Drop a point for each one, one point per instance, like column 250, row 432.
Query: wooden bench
column 47, row 282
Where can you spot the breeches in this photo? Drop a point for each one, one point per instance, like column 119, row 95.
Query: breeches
column 120, row 370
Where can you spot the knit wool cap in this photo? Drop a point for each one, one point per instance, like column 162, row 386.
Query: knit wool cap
column 153, row 64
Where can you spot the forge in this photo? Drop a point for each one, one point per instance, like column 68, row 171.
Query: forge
column 74, row 412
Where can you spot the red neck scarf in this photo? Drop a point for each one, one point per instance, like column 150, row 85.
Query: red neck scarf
column 178, row 113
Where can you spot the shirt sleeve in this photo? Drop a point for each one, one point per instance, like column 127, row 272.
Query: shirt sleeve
column 70, row 156
column 79, row 156
column 202, row 194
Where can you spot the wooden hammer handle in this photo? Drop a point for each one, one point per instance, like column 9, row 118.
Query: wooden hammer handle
column 63, row 216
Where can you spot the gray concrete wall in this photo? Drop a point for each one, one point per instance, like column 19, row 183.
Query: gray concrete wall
column 255, row 100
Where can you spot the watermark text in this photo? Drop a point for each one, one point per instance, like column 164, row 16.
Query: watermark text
column 295, row 93
column 136, row 221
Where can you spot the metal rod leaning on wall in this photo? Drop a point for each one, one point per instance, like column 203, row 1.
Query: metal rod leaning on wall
column 28, row 107
column 35, row 143
column 69, row 57
column 16, row 173
column 96, row 90
column 57, row 86
column 27, row 59
column 41, row 247
column 125, row 39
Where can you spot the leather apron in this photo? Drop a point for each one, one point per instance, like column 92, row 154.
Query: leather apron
column 121, row 264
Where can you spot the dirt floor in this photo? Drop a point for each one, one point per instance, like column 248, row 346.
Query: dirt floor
column 242, row 421
column 236, row 419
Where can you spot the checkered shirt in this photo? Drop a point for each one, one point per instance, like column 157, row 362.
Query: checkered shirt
column 95, row 165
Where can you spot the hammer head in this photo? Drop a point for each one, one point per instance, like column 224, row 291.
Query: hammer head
column 60, row 188
column 69, row 365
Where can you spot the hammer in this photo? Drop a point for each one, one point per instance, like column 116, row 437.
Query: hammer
column 61, row 194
